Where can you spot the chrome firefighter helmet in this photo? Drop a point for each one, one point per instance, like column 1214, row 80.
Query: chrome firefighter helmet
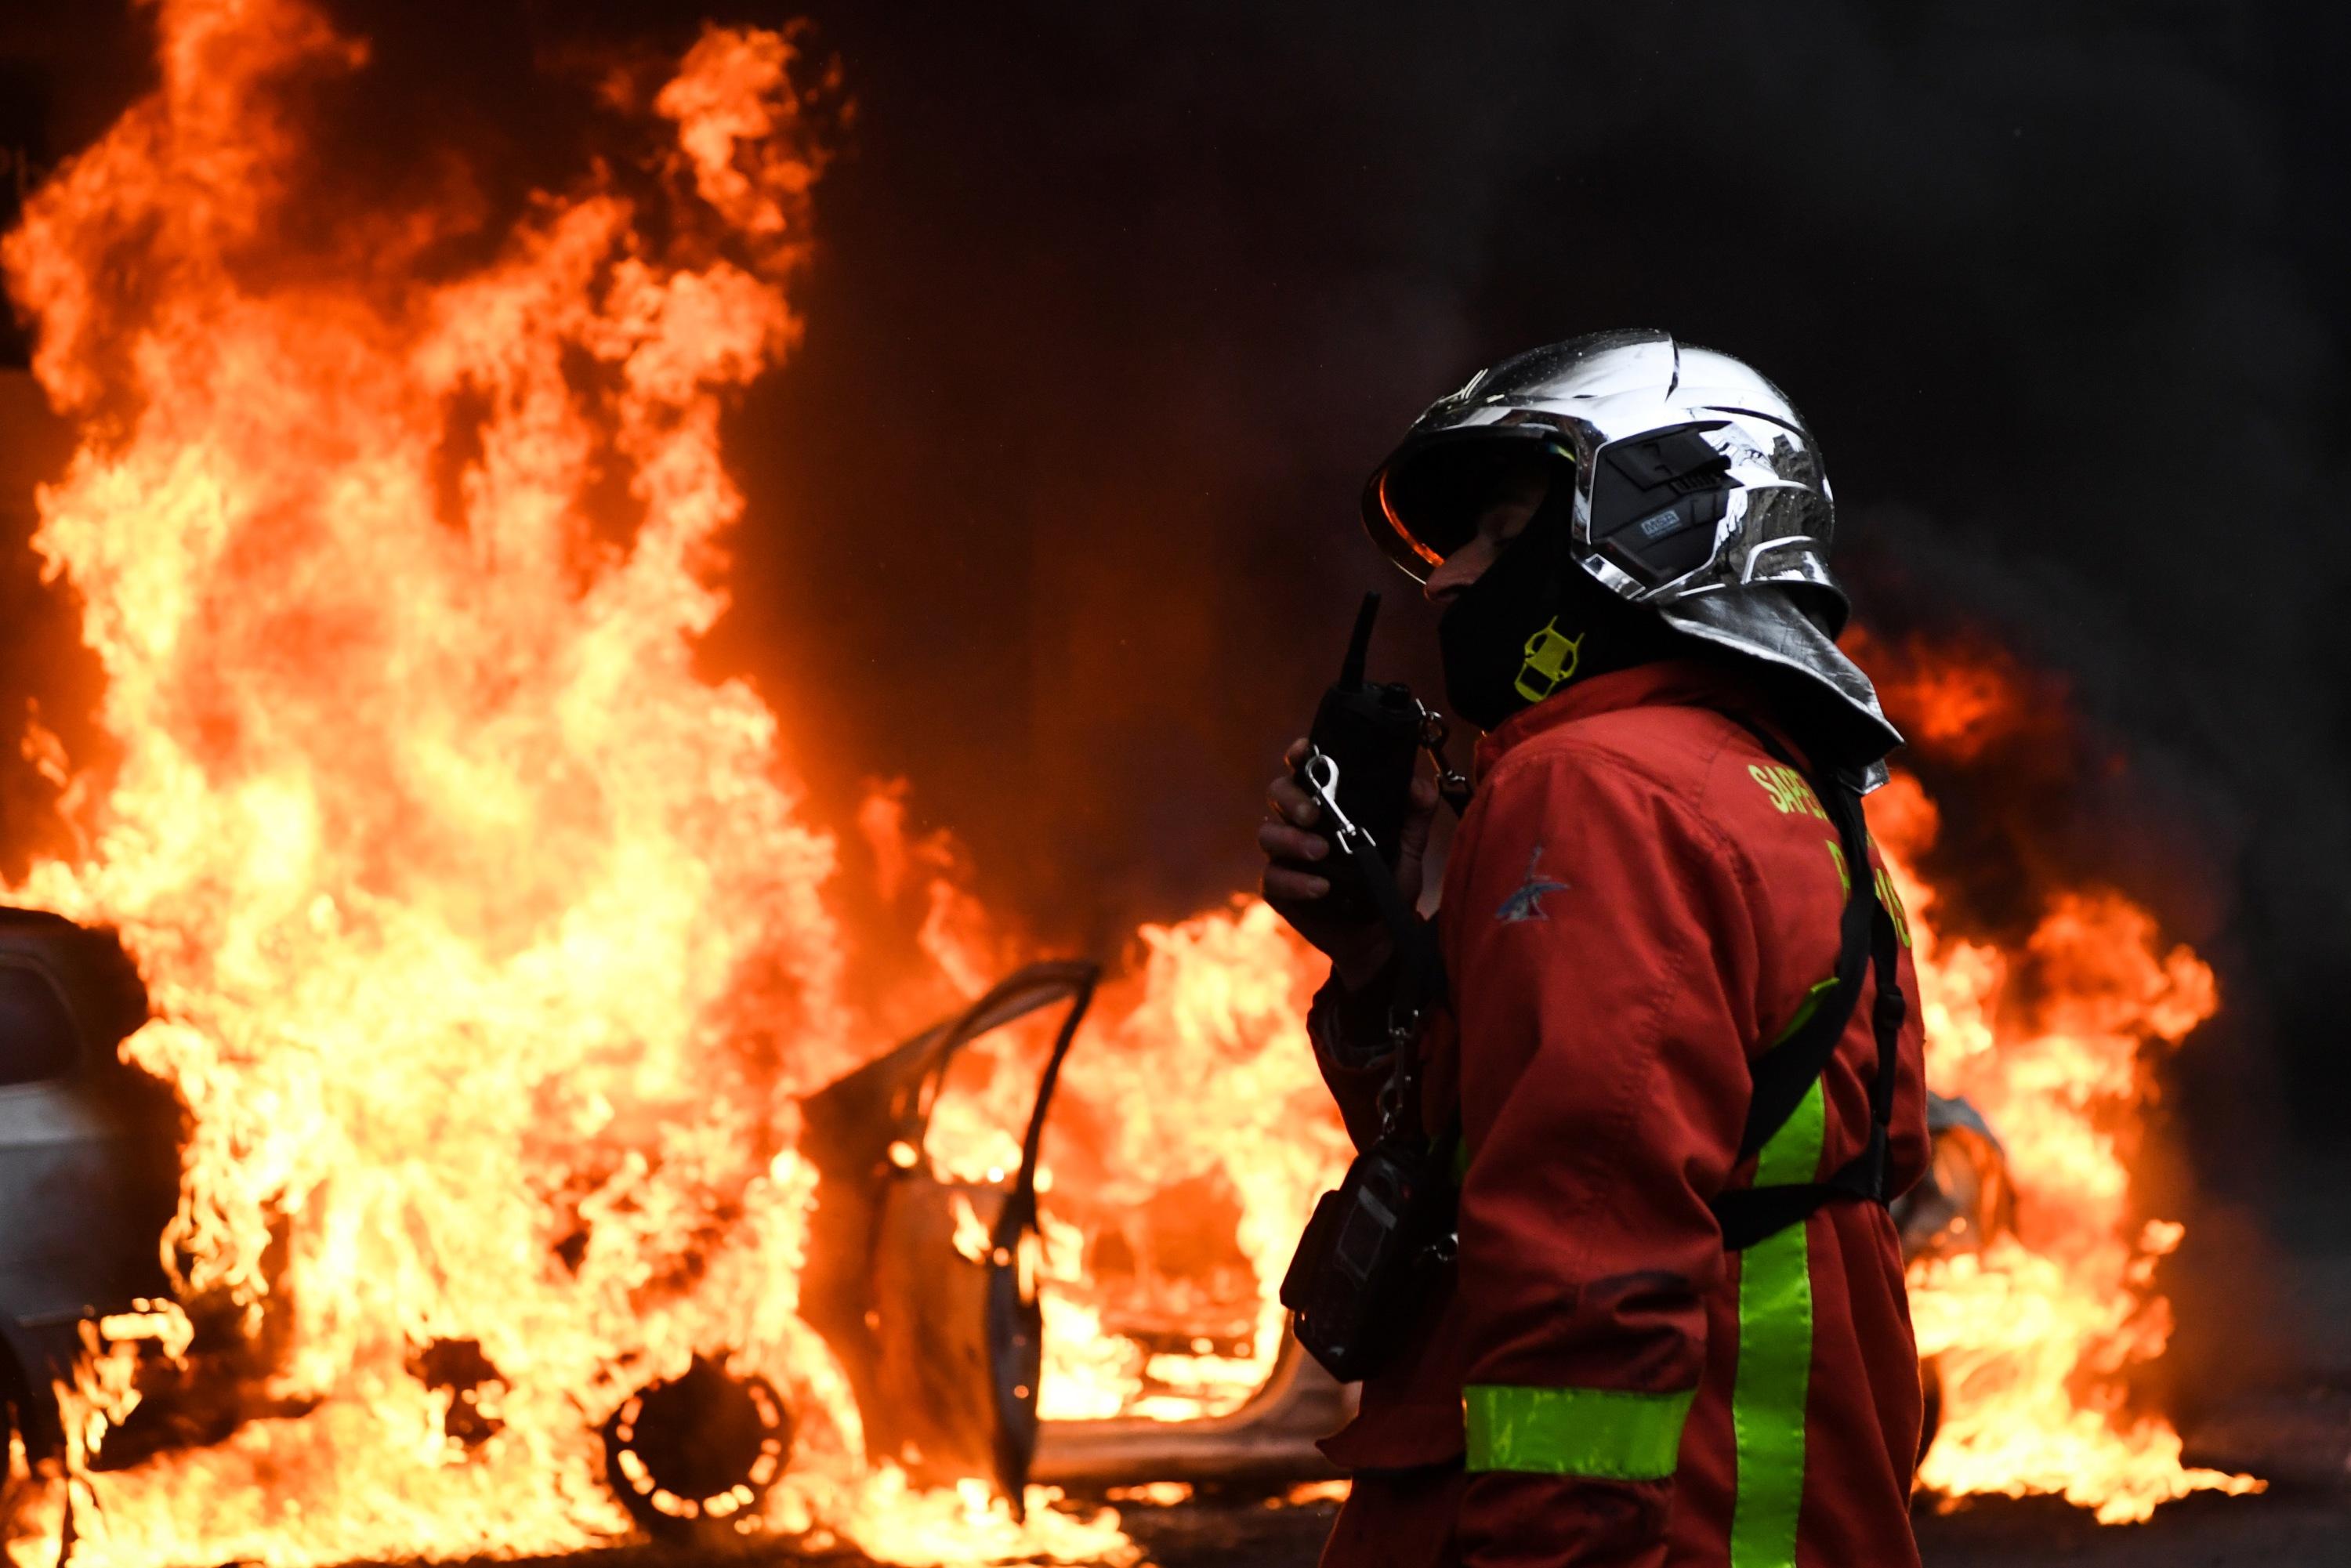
column 1696, row 485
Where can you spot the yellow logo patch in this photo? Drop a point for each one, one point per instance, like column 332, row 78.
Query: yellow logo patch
column 1551, row 658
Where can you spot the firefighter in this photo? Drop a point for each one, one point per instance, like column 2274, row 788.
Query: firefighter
column 1674, row 1329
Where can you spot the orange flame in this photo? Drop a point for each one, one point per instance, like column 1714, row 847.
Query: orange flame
column 2034, row 1333
column 486, row 941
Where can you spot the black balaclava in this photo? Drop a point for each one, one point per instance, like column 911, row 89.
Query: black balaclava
column 1535, row 622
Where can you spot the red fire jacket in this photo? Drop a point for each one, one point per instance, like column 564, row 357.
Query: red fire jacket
column 1639, row 899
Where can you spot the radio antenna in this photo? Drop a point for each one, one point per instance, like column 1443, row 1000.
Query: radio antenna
column 1359, row 647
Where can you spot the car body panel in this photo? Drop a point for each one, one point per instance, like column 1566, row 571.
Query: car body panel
column 88, row 1148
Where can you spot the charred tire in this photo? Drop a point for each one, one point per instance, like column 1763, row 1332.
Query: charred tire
column 690, row 1457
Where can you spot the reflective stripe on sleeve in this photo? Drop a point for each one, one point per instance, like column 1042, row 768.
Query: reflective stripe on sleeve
column 1775, row 1357
column 1603, row 1433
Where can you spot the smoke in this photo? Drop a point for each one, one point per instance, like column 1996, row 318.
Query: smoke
column 1119, row 308
column 1114, row 306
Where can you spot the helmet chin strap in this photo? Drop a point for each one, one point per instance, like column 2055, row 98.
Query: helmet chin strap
column 1535, row 622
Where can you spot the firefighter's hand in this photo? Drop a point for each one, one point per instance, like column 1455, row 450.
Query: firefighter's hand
column 1299, row 864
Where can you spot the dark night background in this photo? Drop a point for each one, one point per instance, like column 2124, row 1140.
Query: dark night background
column 1114, row 306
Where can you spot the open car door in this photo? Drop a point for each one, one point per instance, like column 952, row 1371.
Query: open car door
column 942, row 1347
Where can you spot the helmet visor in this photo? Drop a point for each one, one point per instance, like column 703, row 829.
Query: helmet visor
column 1427, row 501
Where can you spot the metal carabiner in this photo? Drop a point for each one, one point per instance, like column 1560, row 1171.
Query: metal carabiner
column 1452, row 784
column 1390, row 1105
column 1323, row 785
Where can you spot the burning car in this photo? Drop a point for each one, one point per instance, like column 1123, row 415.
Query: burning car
column 957, row 1377
column 928, row 1288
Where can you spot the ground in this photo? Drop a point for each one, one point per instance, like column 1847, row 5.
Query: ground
column 2297, row 1437
column 2304, row 1521
column 2296, row 1526
column 2280, row 1529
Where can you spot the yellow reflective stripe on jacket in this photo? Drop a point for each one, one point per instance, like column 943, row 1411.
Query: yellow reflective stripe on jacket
column 1775, row 1357
column 1605, row 1432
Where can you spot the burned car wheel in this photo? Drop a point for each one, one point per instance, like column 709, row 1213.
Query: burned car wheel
column 691, row 1456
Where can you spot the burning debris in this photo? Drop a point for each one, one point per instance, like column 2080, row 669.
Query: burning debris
column 540, row 1181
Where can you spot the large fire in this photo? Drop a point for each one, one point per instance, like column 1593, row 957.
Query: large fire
column 2035, row 1334
column 491, row 946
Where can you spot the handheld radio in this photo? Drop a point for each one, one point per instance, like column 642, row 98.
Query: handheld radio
column 1370, row 735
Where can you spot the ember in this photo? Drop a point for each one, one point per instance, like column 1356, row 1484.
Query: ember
column 494, row 951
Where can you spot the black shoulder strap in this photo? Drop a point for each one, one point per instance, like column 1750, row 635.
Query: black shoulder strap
column 1786, row 1073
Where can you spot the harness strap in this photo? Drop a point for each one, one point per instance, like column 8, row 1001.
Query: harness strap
column 1785, row 1074
column 1764, row 1223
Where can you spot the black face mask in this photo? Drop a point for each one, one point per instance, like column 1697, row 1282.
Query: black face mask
column 1534, row 621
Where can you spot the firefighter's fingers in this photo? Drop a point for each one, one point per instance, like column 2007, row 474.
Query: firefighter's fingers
column 1291, row 802
column 1424, row 798
column 1295, row 752
column 1283, row 886
column 1282, row 842
column 1413, row 839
